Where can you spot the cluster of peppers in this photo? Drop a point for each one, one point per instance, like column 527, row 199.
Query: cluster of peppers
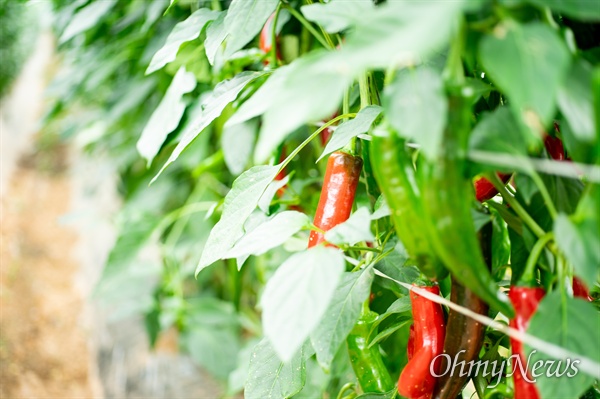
column 418, row 202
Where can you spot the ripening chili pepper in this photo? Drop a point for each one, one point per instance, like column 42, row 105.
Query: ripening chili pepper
column 394, row 172
column 447, row 199
column 485, row 190
column 429, row 329
column 337, row 195
column 265, row 41
column 580, row 290
column 555, row 148
column 371, row 372
column 525, row 300
column 464, row 336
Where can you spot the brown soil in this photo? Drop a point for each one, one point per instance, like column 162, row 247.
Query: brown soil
column 43, row 349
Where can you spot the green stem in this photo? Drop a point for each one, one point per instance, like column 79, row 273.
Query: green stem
column 311, row 137
column 545, row 194
column 536, row 251
column 216, row 5
column 363, row 87
column 453, row 71
column 346, row 102
column 274, row 37
column 515, row 205
column 308, row 26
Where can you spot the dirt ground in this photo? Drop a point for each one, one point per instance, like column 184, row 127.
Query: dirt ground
column 43, row 350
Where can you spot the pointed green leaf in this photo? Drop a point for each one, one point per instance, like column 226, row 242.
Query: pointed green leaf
column 239, row 204
column 340, row 317
column 352, row 128
column 416, row 106
column 184, row 31
column 297, row 296
column 224, row 93
column 166, row 116
column 357, row 228
column 244, row 20
column 270, row 378
column 86, row 18
column 337, row 16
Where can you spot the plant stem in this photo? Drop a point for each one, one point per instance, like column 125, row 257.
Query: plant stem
column 274, row 37
column 308, row 26
column 545, row 194
column 495, row 180
column 311, row 137
column 536, row 251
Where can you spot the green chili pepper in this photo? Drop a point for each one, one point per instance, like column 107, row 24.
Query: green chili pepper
column 447, row 197
column 371, row 372
column 395, row 174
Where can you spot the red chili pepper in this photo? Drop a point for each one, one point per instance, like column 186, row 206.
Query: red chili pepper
column 265, row 41
column 337, row 194
column 484, row 190
column 525, row 300
column 425, row 342
column 555, row 148
column 580, row 290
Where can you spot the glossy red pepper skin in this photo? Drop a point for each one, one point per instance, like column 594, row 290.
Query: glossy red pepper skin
column 485, row 190
column 525, row 300
column 555, row 148
column 337, row 195
column 580, row 290
column 416, row 381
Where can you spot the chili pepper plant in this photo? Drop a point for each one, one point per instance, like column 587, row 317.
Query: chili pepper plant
column 346, row 199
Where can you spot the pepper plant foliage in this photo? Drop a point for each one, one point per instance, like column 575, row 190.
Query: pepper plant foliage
column 221, row 146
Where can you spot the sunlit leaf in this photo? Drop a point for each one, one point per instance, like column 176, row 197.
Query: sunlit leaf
column 224, row 93
column 352, row 290
column 86, row 18
column 182, row 32
column 297, row 296
column 239, row 204
column 245, row 18
column 166, row 116
column 352, row 128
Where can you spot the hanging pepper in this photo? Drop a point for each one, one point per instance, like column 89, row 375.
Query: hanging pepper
column 265, row 40
column 395, row 175
column 464, row 336
column 580, row 290
column 525, row 300
column 447, row 202
column 485, row 190
column 428, row 331
column 337, row 195
column 371, row 372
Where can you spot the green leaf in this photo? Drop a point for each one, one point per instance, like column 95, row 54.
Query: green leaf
column 575, row 101
column 166, row 116
column 572, row 324
column 237, row 142
column 270, row 234
column 311, row 89
column 389, row 330
column 213, row 336
column 357, row 228
column 352, row 128
column 244, row 20
column 498, row 132
column 224, row 93
column 342, row 314
column 529, row 63
column 86, row 18
column 395, row 265
column 399, row 33
column 337, row 16
column 239, row 204
column 270, row 378
column 215, row 35
column 297, row 296
column 184, row 31
column 584, row 10
column 153, row 13
column 265, row 201
column 578, row 236
column 416, row 107
column 381, row 209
